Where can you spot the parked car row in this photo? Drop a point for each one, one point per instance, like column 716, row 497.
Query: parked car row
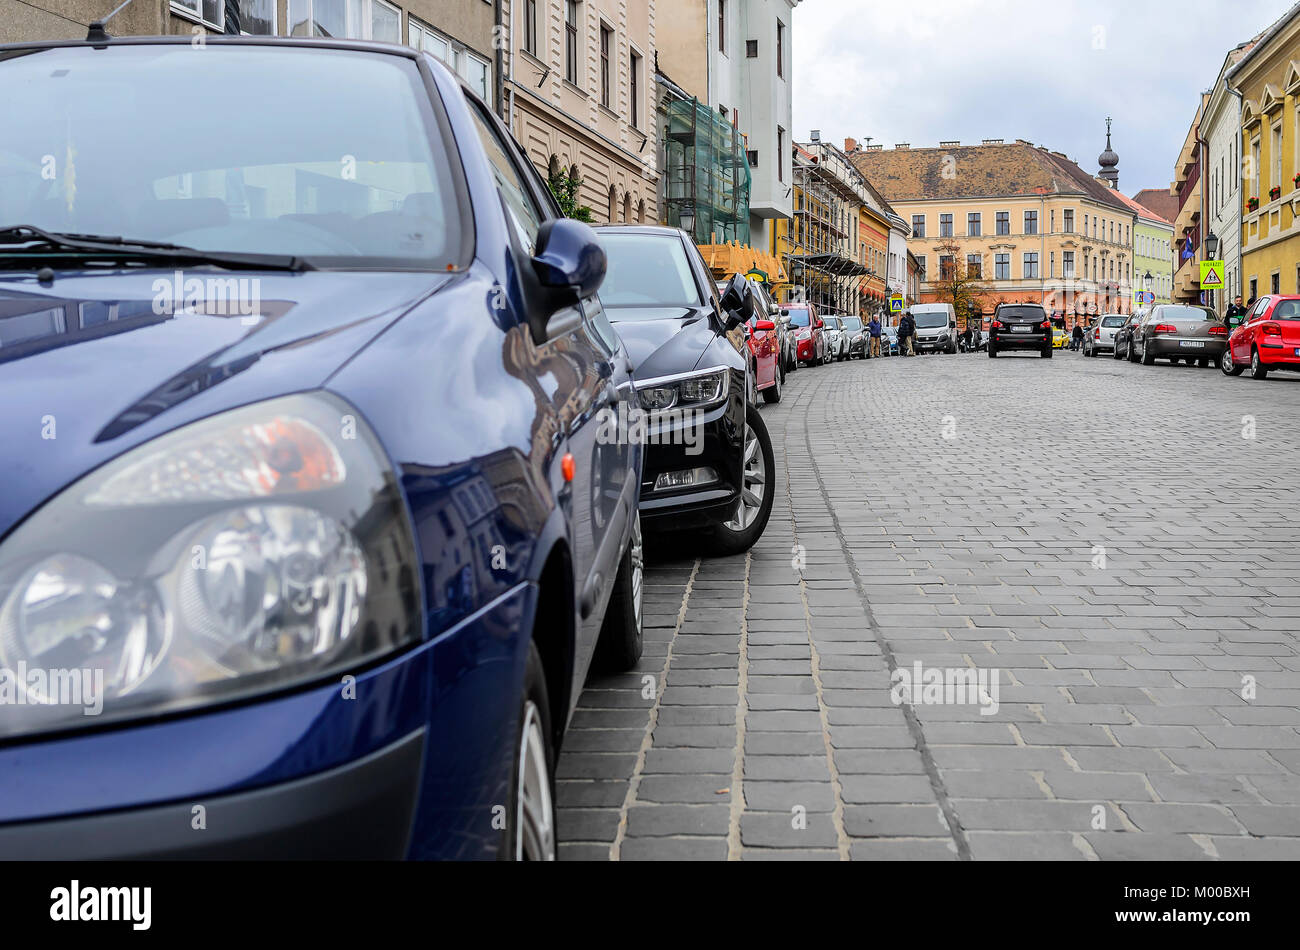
column 337, row 569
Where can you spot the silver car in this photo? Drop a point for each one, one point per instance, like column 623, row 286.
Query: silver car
column 1180, row 332
column 834, row 333
column 1100, row 337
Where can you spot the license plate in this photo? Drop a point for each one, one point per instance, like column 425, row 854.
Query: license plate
column 1021, row 329
column 1191, row 343
column 1297, row 351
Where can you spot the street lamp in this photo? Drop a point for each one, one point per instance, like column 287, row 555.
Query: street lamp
column 687, row 219
column 1212, row 246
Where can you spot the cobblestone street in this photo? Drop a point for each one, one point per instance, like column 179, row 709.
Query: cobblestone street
column 1098, row 536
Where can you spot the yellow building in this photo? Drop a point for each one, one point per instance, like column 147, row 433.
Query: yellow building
column 1036, row 227
column 1268, row 78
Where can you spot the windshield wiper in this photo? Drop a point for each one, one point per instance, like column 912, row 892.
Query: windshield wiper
column 36, row 240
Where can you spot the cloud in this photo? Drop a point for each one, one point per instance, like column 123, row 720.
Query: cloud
column 1047, row 72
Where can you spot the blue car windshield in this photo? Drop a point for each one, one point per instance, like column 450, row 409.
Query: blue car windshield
column 329, row 155
column 799, row 317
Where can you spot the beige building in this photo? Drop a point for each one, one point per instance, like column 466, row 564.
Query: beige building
column 578, row 97
column 1036, row 227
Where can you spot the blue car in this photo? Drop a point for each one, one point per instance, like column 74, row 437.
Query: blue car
column 310, row 531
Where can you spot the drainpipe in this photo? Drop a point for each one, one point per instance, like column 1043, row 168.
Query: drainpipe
column 498, row 81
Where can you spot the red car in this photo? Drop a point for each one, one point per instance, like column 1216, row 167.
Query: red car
column 765, row 347
column 810, row 345
column 1268, row 340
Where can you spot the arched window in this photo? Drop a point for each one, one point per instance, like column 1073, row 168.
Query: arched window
column 613, row 204
column 627, row 208
column 640, row 211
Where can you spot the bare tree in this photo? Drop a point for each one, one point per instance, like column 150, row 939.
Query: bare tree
column 959, row 283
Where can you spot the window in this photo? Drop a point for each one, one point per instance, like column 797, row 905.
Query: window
column 945, row 225
column 256, row 17
column 1067, row 263
column 918, row 225
column 524, row 212
column 1276, row 155
column 354, row 19
column 1068, row 215
column 1031, row 265
column 634, row 87
column 780, row 49
column 751, row 49
column 571, row 41
column 921, row 265
column 1051, row 264
column 946, row 267
column 1003, row 225
column 780, row 153
column 722, row 26
column 606, row 49
column 1031, row 222
column 752, row 156
column 974, row 266
column 475, row 69
column 645, row 267
column 1002, row 267
column 1052, row 228
column 973, row 224
column 1276, row 283
column 207, row 11
column 530, row 26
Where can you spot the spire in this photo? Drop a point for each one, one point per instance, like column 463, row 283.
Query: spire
column 1109, row 161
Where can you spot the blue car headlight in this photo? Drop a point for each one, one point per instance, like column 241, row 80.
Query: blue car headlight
column 256, row 550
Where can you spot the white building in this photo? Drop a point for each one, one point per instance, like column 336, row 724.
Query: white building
column 750, row 81
column 1221, row 128
column 896, row 276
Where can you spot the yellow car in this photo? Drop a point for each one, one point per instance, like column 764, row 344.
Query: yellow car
column 1060, row 338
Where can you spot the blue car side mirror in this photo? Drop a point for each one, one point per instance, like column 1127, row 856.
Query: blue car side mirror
column 569, row 258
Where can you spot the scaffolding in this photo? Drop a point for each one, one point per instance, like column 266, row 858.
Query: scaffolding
column 820, row 240
column 705, row 170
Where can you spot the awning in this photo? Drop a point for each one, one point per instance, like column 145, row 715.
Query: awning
column 834, row 264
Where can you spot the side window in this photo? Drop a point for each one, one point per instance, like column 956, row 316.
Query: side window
column 1260, row 307
column 525, row 213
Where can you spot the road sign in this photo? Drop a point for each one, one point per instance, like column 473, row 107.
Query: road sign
column 896, row 303
column 1211, row 275
column 1145, row 297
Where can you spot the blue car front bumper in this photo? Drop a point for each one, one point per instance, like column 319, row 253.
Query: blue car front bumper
column 412, row 766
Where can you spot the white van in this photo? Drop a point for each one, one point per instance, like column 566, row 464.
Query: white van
column 936, row 327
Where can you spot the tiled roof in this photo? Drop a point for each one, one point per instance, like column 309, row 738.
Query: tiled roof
column 1160, row 201
column 977, row 171
column 1142, row 209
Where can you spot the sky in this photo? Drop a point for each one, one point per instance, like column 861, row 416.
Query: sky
column 1049, row 72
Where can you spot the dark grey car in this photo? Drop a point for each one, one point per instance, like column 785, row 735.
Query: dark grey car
column 1180, row 332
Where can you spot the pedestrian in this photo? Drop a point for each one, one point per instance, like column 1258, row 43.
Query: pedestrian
column 1076, row 338
column 874, row 328
column 906, row 330
column 1234, row 314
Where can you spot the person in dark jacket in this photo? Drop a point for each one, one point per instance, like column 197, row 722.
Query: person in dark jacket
column 874, row 329
column 1076, row 337
column 1234, row 314
column 906, row 330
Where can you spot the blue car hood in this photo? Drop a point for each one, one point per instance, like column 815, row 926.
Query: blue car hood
column 90, row 367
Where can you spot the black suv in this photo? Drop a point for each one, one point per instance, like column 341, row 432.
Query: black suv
column 1020, row 326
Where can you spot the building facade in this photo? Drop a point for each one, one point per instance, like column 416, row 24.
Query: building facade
column 1153, row 256
column 1223, row 200
column 1034, row 225
column 1186, row 187
column 1268, row 79
column 735, row 55
column 578, row 97
column 825, row 243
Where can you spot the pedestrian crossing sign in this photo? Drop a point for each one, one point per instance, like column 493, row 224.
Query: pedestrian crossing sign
column 896, row 303
column 1211, row 275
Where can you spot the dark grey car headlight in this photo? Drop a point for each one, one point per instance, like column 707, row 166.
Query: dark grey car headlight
column 251, row 551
